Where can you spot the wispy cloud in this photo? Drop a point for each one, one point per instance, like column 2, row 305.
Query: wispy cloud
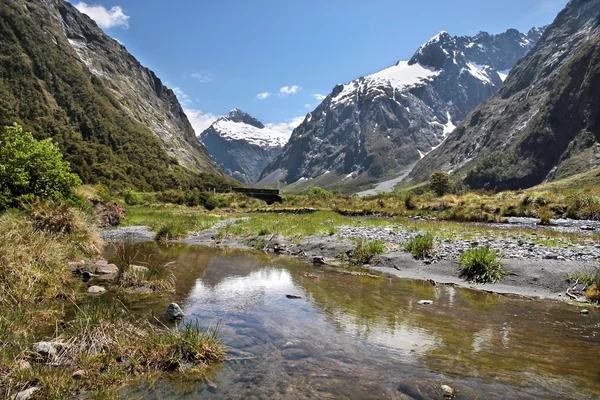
column 200, row 120
column 319, row 97
column 287, row 90
column 286, row 127
column 202, row 78
column 105, row 18
column 262, row 96
column 308, row 106
column 182, row 96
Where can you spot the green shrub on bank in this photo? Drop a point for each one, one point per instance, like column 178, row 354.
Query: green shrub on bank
column 31, row 168
column 481, row 265
column 420, row 246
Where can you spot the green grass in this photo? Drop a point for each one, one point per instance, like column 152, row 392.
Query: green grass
column 481, row 265
column 421, row 246
column 190, row 219
column 171, row 230
column 366, row 251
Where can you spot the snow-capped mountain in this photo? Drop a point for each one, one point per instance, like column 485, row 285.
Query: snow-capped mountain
column 543, row 123
column 242, row 145
column 376, row 126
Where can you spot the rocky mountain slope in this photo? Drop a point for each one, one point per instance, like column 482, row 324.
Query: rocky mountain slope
column 375, row 126
column 241, row 145
column 544, row 122
column 61, row 76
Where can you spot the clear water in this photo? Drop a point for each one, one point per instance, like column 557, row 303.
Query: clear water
column 363, row 338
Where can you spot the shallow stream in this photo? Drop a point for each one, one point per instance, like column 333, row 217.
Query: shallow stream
column 365, row 338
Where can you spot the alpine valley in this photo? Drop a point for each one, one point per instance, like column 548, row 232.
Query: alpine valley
column 377, row 127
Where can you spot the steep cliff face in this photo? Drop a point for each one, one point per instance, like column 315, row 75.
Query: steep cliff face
column 113, row 118
column 368, row 129
column 241, row 145
column 543, row 123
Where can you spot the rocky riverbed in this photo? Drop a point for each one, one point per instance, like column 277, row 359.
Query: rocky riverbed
column 538, row 269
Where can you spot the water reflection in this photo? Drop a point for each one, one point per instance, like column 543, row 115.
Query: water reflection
column 359, row 337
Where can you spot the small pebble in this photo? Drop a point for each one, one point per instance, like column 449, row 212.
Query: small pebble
column 584, row 311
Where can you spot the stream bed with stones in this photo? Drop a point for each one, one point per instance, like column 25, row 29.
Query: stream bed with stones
column 361, row 337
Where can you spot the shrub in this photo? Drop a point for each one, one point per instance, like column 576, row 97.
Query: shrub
column 317, row 192
column 132, row 198
column 29, row 167
column 440, row 183
column 481, row 265
column 545, row 216
column 420, row 246
column 409, row 201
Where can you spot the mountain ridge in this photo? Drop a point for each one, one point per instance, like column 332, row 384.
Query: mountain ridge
column 242, row 145
column 366, row 129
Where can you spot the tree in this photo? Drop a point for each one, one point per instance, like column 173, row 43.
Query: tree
column 32, row 167
column 440, row 183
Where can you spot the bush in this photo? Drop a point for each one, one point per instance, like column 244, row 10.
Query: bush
column 132, row 198
column 321, row 193
column 440, row 183
column 420, row 246
column 29, row 167
column 481, row 265
column 409, row 201
column 545, row 216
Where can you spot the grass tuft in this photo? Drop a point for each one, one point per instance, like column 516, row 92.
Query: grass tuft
column 481, row 265
column 420, row 246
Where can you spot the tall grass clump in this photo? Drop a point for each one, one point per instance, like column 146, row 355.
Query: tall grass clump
column 364, row 252
column 171, row 230
column 420, row 246
column 481, row 265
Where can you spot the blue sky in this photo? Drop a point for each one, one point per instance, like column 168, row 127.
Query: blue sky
column 273, row 58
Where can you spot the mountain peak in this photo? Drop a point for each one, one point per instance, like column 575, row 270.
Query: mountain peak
column 237, row 115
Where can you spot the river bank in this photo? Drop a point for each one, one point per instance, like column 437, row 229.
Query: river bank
column 539, row 265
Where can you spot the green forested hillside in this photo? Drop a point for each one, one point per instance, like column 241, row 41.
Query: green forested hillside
column 48, row 91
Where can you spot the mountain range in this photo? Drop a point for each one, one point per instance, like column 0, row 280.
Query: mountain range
column 376, row 127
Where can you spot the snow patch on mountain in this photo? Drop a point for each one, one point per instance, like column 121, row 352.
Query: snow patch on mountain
column 263, row 137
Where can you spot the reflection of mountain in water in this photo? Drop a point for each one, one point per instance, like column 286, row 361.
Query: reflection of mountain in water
column 235, row 294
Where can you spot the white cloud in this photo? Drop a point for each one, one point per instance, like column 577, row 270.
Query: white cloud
column 286, row 127
column 182, row 96
column 262, row 96
column 115, row 17
column 200, row 120
column 308, row 106
column 287, row 90
column 319, row 97
column 202, row 78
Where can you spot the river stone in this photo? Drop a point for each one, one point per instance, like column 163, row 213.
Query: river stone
column 174, row 311
column 79, row 374
column 96, row 289
column 425, row 302
column 318, row 260
column 448, row 391
column 419, row 389
column 25, row 394
column 106, row 269
column 584, row 312
column 293, row 296
column 45, row 349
